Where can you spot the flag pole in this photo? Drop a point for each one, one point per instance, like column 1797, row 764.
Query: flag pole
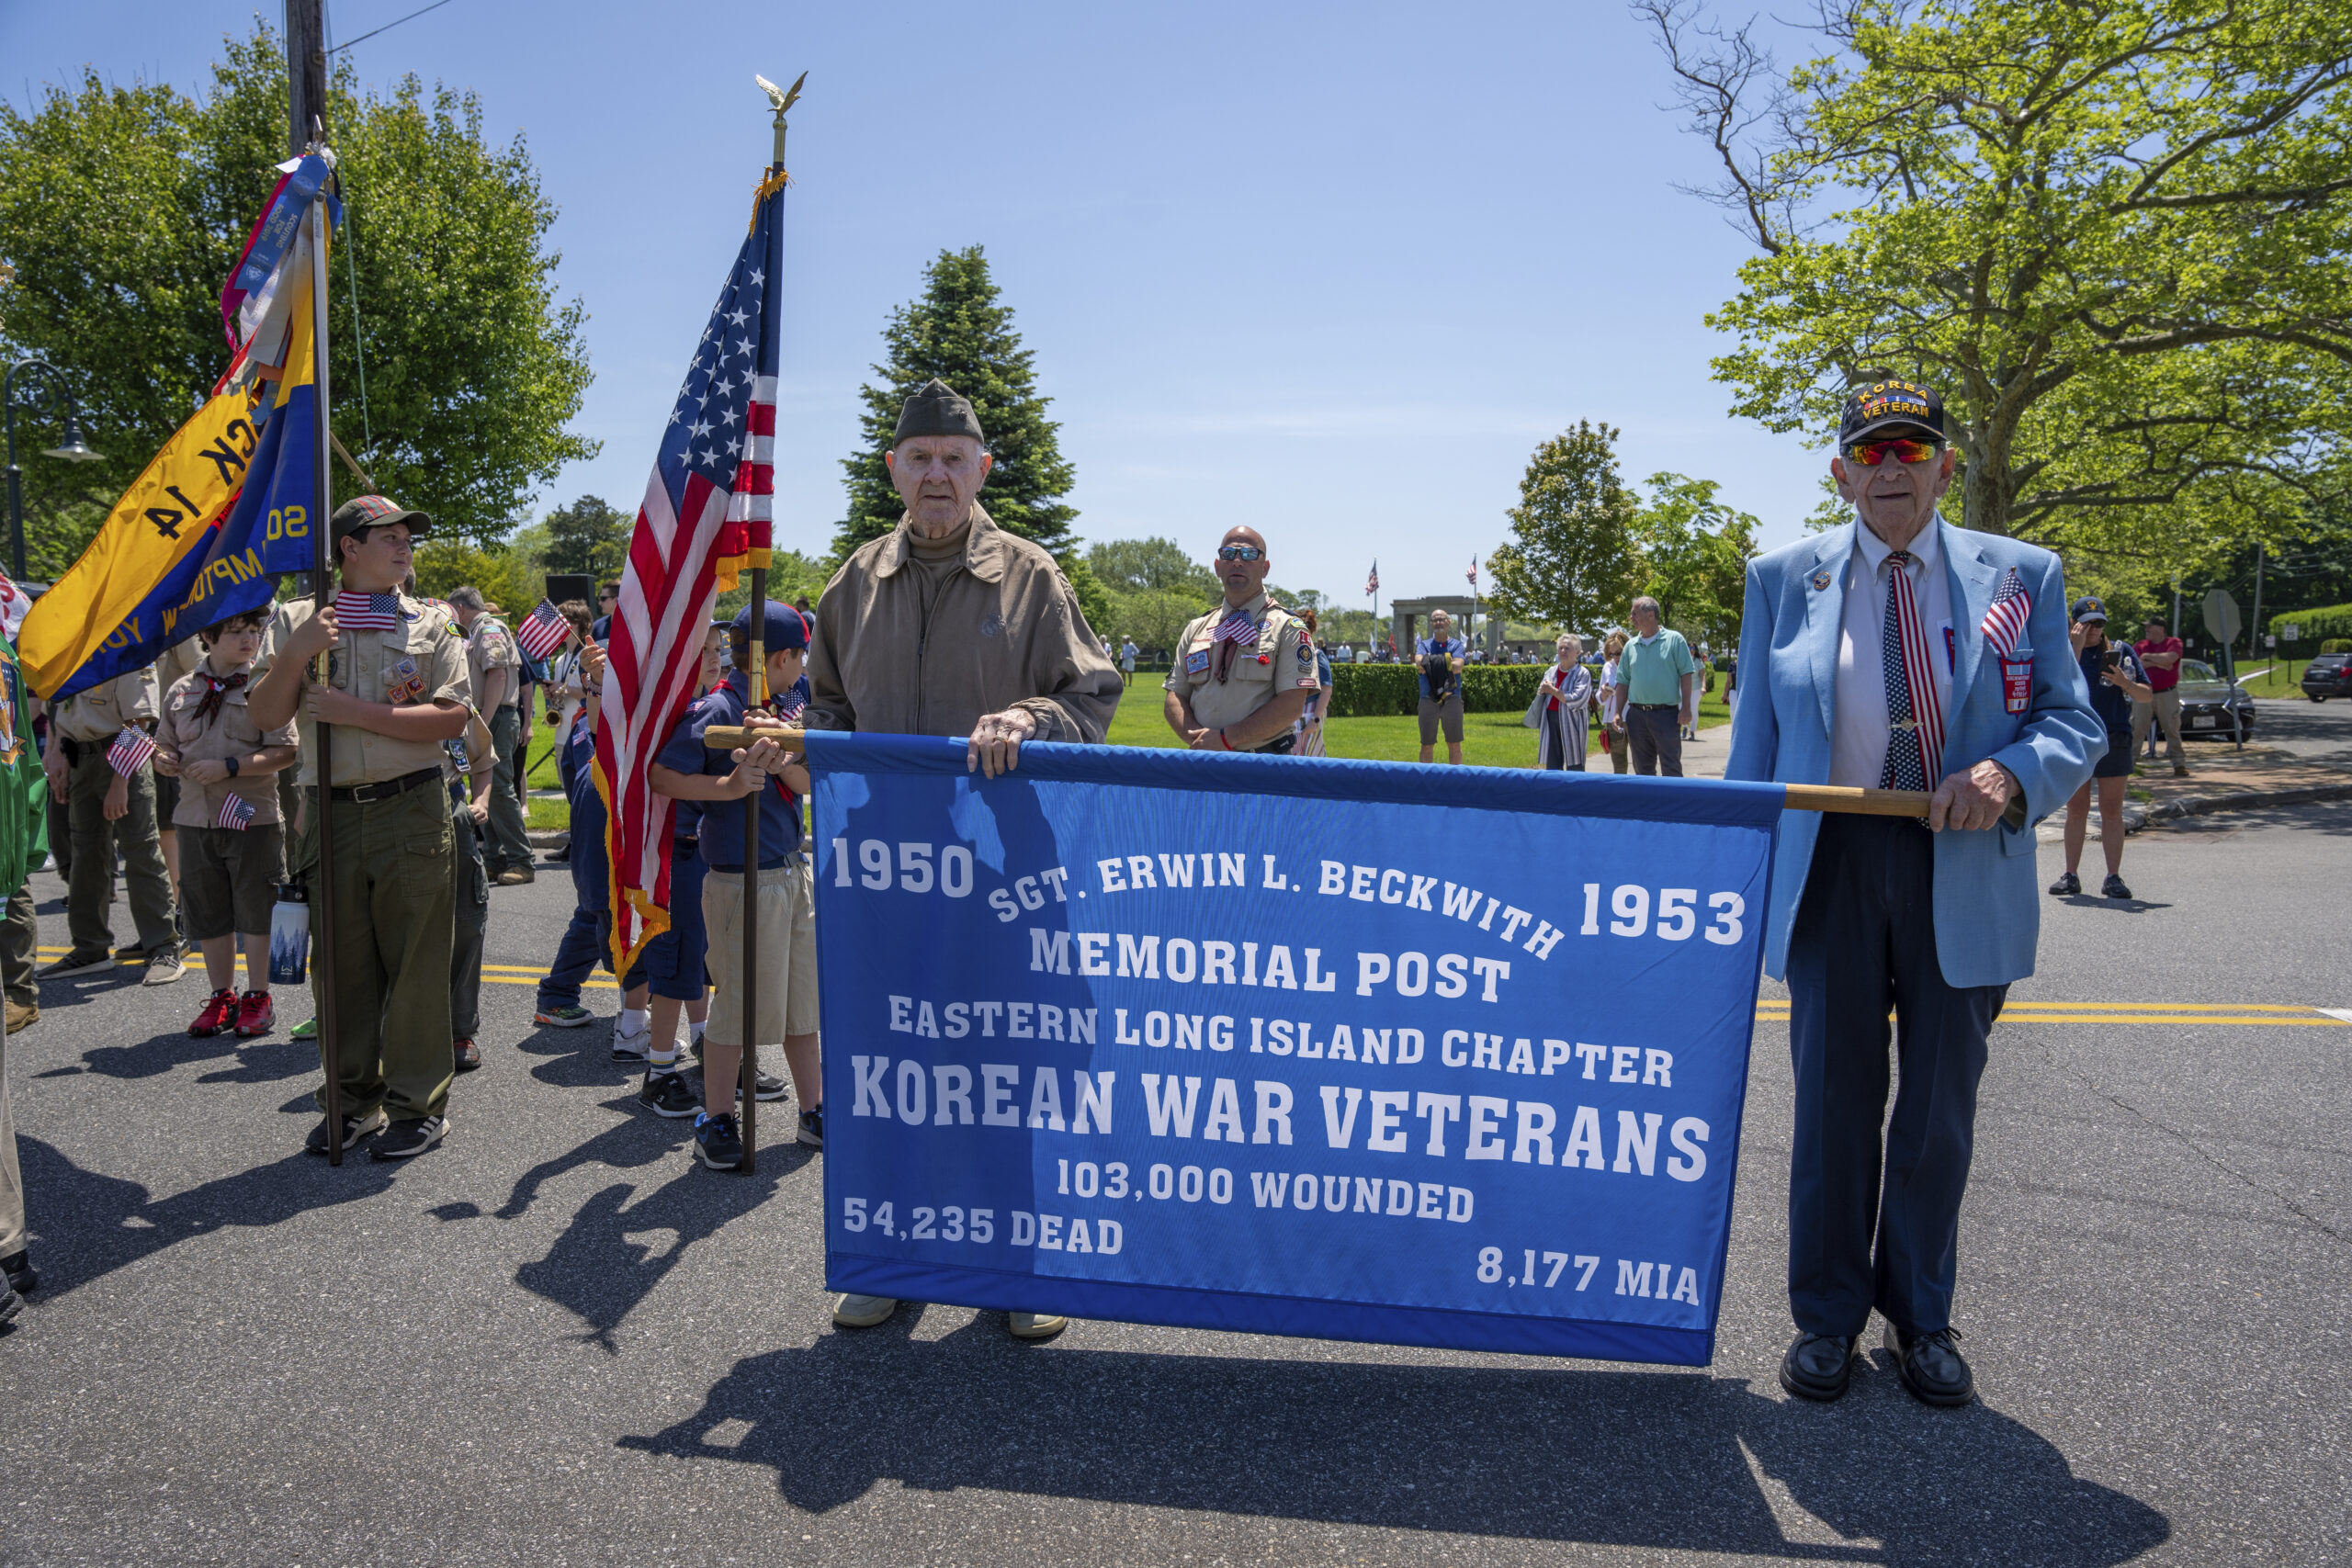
column 306, row 105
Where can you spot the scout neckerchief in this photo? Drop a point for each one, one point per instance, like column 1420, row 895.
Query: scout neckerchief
column 216, row 688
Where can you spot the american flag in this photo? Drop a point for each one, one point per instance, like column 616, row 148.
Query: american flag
column 130, row 750
column 543, row 630
column 707, row 513
column 1237, row 627
column 236, row 812
column 2004, row 621
column 356, row 612
column 1473, row 573
column 1372, row 583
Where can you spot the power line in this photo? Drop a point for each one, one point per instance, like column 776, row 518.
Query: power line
column 388, row 27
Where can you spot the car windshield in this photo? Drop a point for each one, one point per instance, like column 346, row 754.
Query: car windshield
column 2197, row 670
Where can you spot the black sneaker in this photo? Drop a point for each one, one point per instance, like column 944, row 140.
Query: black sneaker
column 668, row 1095
column 812, row 1128
column 130, row 953
column 17, row 1269
column 467, row 1054
column 354, row 1129
column 716, row 1143
column 2113, row 889
column 11, row 1304
column 76, row 964
column 2066, row 887
column 410, row 1138
column 765, row 1086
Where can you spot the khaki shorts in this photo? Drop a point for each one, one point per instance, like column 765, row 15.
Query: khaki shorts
column 787, row 955
column 229, row 879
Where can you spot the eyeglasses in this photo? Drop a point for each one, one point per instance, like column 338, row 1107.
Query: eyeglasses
column 1240, row 552
column 1904, row 449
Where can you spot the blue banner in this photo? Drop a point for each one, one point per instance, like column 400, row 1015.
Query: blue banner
column 1447, row 1056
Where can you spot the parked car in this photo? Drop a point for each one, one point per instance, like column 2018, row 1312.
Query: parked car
column 2208, row 702
column 2328, row 675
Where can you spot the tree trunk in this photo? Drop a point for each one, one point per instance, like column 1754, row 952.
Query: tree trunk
column 1987, row 487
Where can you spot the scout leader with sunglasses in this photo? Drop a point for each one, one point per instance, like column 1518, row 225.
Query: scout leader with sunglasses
column 1243, row 671
column 1899, row 652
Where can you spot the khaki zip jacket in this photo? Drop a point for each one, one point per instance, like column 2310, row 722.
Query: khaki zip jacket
column 1005, row 632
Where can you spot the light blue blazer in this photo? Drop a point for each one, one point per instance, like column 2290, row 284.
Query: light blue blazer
column 1987, row 907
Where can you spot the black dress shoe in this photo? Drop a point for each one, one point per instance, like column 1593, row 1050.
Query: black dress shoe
column 1819, row 1366
column 17, row 1269
column 1931, row 1368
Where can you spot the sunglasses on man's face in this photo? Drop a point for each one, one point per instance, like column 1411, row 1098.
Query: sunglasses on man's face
column 1871, row 454
column 1240, row 552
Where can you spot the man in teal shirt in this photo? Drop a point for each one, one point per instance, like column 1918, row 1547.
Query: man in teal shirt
column 1661, row 691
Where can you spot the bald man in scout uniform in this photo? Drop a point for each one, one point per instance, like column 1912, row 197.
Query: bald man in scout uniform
column 396, row 688
column 1244, row 670
column 107, row 808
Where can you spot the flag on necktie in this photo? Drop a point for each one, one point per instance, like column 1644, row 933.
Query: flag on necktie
column 1915, row 716
column 356, row 612
column 236, row 814
column 707, row 513
column 1372, row 583
column 130, row 750
column 543, row 630
column 2005, row 619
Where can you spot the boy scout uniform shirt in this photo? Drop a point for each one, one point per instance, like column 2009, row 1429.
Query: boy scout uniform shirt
column 419, row 661
column 185, row 738
column 100, row 713
column 1278, row 659
column 492, row 647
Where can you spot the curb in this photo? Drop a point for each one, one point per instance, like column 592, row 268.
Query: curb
column 2207, row 805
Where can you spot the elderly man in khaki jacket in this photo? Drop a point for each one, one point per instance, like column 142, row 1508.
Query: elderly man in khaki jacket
column 950, row 626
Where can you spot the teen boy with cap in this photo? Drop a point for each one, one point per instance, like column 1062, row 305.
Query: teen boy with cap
column 1899, row 652
column 686, row 771
column 395, row 688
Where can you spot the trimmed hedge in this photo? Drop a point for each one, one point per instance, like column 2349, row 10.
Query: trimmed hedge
column 2336, row 645
column 1371, row 691
column 2329, row 622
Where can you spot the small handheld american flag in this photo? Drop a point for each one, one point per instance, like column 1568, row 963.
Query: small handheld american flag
column 130, row 750
column 2005, row 620
column 542, row 631
column 1237, row 627
column 356, row 612
column 236, row 812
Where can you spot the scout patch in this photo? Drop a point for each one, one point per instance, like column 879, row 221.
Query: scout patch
column 1197, row 662
column 1306, row 652
column 405, row 684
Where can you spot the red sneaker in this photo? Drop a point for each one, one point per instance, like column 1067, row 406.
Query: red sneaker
column 256, row 1014
column 219, row 1009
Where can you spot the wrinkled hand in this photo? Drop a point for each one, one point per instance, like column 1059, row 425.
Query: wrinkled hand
column 117, row 802
column 313, row 637
column 207, row 772
column 996, row 740
column 325, row 704
column 1972, row 800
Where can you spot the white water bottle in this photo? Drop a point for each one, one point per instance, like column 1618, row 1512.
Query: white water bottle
column 289, row 935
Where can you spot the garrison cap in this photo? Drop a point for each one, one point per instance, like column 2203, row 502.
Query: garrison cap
column 936, row 409
column 368, row 512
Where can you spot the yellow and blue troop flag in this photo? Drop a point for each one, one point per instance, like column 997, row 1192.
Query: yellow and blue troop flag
column 220, row 512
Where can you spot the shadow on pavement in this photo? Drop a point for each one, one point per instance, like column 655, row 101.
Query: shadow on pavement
column 1659, row 1460
column 102, row 1223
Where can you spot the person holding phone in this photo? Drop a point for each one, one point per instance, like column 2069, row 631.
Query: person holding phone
column 2116, row 680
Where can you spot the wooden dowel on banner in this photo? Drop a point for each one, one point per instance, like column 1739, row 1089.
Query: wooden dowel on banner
column 1863, row 802
column 735, row 736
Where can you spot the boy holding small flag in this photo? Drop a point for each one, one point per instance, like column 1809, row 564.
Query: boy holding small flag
column 233, row 849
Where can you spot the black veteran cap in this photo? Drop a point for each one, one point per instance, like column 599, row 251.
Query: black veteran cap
column 1885, row 405
column 368, row 512
column 935, row 410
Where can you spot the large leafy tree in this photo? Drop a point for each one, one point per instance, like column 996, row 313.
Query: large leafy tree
column 961, row 332
column 1694, row 555
column 122, row 209
column 591, row 536
column 1154, row 564
column 1572, row 559
column 2113, row 236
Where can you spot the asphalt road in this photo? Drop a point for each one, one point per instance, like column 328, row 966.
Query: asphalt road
column 554, row 1341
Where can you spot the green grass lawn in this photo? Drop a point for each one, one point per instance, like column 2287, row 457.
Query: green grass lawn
column 1488, row 739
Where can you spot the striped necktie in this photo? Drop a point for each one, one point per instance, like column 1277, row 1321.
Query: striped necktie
column 1914, row 720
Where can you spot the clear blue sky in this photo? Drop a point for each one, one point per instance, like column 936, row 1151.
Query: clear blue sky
column 1330, row 271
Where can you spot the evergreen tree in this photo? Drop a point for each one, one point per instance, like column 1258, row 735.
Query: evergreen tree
column 962, row 333
column 1573, row 560
column 589, row 535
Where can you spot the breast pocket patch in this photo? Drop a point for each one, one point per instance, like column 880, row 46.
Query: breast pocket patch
column 1197, row 662
column 403, row 683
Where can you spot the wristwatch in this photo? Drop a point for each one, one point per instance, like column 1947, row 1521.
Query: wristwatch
column 231, row 766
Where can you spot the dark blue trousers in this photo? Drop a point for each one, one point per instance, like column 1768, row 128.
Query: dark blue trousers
column 1864, row 943
column 582, row 947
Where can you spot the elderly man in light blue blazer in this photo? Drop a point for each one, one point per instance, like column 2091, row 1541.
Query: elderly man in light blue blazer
column 1900, row 652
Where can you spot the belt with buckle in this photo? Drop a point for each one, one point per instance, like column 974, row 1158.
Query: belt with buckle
column 1656, row 708
column 389, row 788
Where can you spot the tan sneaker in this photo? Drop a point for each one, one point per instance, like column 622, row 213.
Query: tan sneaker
column 1034, row 1325
column 164, row 967
column 22, row 1017
column 863, row 1311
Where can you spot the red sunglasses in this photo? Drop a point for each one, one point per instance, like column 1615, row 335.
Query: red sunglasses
column 1871, row 454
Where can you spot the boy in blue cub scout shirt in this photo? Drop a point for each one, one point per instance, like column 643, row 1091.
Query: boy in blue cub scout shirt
column 684, row 770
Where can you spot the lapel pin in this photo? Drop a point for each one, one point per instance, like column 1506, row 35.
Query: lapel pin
column 1821, row 578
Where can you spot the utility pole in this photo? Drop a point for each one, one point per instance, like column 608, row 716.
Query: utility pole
column 306, row 74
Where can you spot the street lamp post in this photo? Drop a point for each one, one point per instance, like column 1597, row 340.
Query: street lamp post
column 45, row 393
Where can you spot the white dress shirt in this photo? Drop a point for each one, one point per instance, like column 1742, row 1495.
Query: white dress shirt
column 1858, row 741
